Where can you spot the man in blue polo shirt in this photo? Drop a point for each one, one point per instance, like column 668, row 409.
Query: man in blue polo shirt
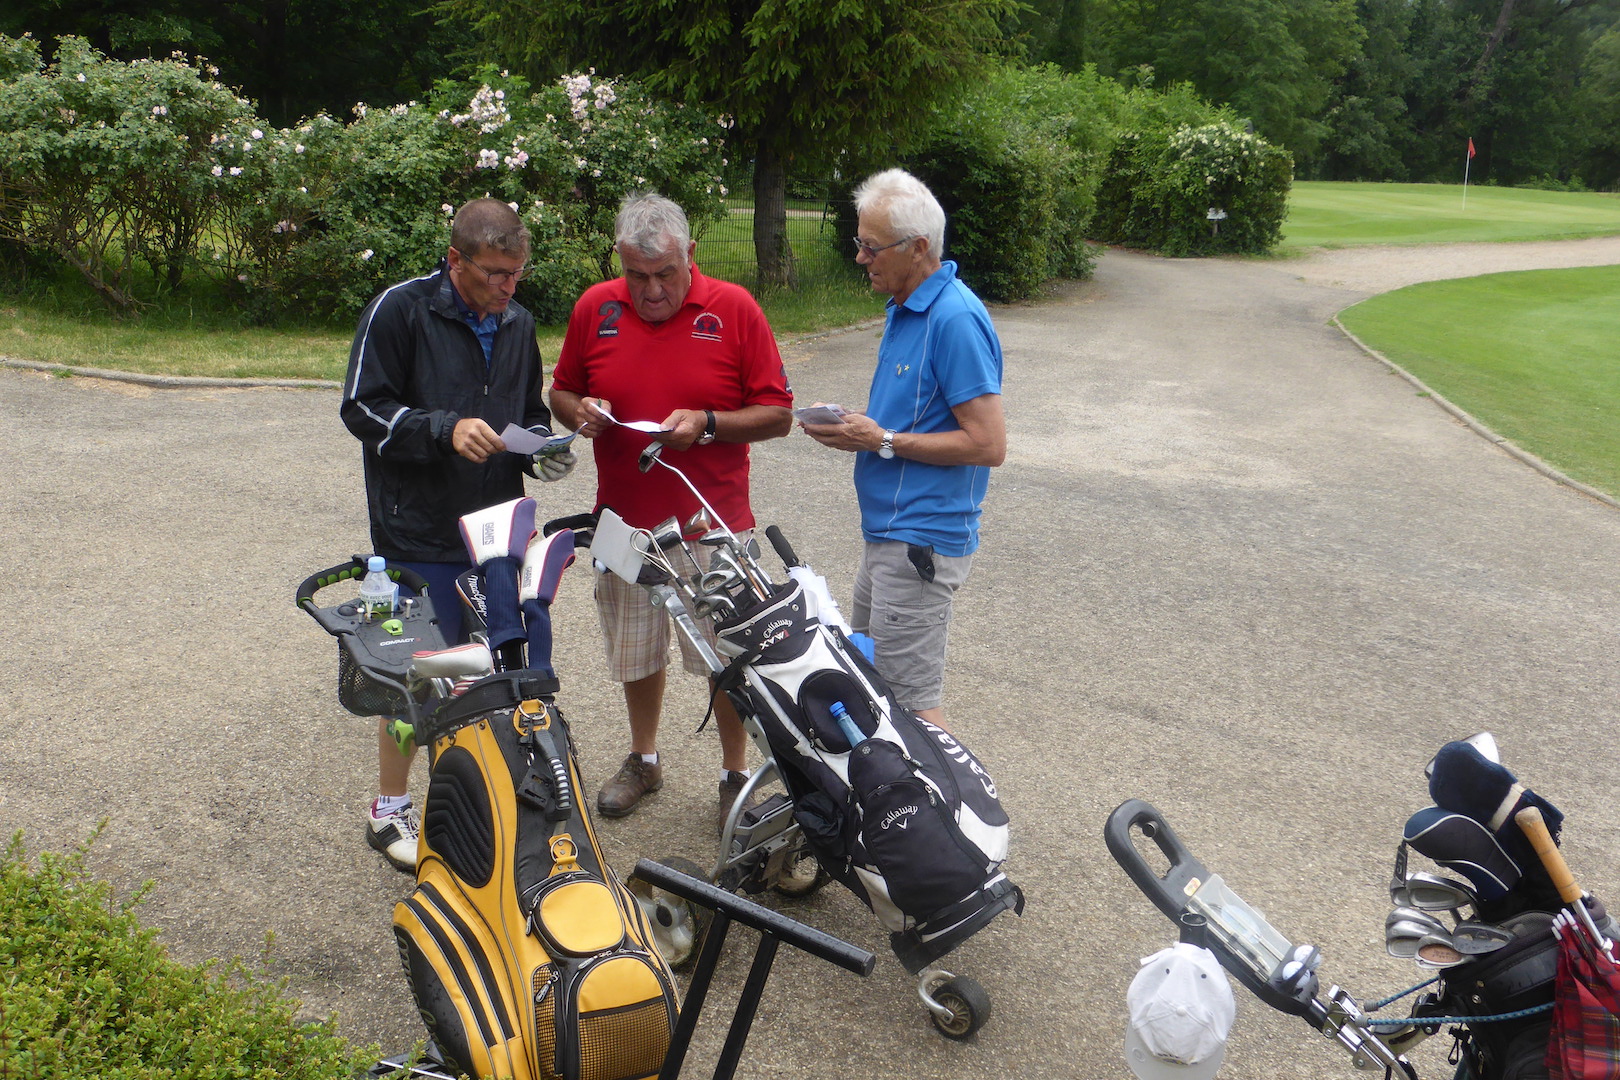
column 932, row 430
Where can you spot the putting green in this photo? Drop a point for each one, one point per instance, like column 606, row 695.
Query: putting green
column 1531, row 354
column 1322, row 214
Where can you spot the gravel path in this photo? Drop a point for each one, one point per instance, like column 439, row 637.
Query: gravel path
column 1381, row 268
column 1231, row 566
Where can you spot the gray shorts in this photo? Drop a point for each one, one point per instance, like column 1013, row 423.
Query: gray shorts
column 907, row 618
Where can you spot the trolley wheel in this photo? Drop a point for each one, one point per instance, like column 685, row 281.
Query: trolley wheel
column 677, row 925
column 969, row 1006
column 801, row 872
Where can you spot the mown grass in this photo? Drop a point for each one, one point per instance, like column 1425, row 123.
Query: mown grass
column 1323, row 214
column 1530, row 354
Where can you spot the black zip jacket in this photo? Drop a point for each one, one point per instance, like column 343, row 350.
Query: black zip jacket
column 414, row 370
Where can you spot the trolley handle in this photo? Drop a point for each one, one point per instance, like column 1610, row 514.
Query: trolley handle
column 1169, row 892
column 783, row 548
column 352, row 570
column 818, row 944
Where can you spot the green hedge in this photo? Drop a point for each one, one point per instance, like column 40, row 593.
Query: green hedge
column 149, row 175
column 87, row 994
column 1016, row 163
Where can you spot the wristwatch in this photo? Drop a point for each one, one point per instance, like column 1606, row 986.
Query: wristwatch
column 708, row 428
column 886, row 447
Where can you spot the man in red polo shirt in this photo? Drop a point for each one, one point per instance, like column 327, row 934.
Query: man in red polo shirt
column 664, row 343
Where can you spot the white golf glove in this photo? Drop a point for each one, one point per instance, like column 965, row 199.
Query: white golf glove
column 553, row 467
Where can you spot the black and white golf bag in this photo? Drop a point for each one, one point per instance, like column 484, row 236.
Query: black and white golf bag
column 895, row 808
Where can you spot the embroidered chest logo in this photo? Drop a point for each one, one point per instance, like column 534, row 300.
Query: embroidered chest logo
column 707, row 326
column 611, row 312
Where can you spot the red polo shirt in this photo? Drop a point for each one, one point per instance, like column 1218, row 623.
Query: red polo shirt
column 717, row 352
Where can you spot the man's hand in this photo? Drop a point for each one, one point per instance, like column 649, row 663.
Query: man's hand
column 857, row 432
column 685, row 427
column 475, row 440
column 592, row 421
column 554, row 466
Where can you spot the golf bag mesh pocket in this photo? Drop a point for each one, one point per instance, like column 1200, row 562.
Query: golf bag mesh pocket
column 545, row 1023
column 626, row 1041
column 609, row 1018
column 909, row 834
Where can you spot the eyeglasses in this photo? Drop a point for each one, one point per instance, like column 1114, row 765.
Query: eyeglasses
column 863, row 248
column 499, row 277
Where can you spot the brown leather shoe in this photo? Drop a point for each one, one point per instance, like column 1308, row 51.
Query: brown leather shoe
column 730, row 788
column 623, row 793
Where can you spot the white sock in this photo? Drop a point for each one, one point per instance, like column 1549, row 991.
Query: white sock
column 389, row 804
column 650, row 759
column 727, row 774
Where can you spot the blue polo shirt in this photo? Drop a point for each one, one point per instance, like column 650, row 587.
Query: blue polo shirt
column 939, row 349
column 485, row 328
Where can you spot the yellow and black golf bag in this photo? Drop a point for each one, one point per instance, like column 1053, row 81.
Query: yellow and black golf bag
column 526, row 955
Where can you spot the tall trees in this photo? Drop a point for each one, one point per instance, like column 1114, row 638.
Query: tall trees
column 294, row 57
column 1271, row 60
column 805, row 82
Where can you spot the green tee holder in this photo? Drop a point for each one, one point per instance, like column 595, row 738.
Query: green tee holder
column 404, row 735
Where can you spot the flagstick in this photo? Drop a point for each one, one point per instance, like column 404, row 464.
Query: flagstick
column 1467, row 161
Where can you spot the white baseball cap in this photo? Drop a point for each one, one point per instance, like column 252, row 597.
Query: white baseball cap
column 1181, row 1010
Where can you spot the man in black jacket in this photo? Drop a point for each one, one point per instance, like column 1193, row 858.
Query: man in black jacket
column 439, row 366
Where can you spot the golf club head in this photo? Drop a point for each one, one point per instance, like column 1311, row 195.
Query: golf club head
column 1405, row 928
column 1432, row 892
column 1473, row 938
column 649, row 455
column 1438, row 952
column 666, row 534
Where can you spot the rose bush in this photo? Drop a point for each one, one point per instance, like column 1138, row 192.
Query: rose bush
column 140, row 174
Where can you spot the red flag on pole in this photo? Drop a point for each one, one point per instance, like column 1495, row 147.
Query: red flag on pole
column 1470, row 147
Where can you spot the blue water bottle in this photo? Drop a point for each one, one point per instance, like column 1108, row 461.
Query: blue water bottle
column 852, row 734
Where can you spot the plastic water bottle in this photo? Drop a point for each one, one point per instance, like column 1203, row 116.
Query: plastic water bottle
column 852, row 734
column 378, row 593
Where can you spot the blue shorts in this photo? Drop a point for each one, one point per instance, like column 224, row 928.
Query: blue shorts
column 441, row 579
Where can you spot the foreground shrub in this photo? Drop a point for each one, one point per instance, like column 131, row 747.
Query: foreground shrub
column 1163, row 181
column 86, row 993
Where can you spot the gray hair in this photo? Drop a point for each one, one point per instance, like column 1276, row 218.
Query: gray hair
column 651, row 225
column 489, row 224
column 906, row 202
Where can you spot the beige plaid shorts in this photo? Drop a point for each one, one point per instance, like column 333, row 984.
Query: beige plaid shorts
column 636, row 634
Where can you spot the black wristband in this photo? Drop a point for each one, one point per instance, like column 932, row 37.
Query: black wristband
column 708, row 427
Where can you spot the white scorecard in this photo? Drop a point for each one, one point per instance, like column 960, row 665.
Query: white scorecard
column 618, row 547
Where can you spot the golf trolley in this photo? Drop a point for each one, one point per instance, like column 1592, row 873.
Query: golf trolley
column 526, row 956
column 826, row 726
column 1484, row 940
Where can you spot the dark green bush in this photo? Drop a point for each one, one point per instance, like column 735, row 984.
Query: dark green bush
column 1016, row 163
column 86, row 993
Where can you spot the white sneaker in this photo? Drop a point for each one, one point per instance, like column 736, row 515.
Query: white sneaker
column 395, row 836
